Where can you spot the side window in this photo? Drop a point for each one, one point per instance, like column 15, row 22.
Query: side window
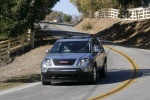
column 97, row 44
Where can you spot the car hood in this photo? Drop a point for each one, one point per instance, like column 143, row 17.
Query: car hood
column 67, row 55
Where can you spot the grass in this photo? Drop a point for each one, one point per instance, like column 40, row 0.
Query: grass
column 87, row 26
column 17, row 81
column 4, row 85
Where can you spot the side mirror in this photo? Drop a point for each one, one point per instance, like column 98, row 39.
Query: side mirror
column 46, row 51
column 97, row 50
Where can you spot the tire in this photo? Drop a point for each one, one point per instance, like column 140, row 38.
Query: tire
column 94, row 75
column 103, row 71
column 43, row 82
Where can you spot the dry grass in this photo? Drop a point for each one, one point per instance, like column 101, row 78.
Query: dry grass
column 24, row 69
column 4, row 85
column 97, row 24
column 135, row 33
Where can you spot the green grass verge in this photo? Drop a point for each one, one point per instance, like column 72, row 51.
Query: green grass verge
column 20, row 80
column 4, row 85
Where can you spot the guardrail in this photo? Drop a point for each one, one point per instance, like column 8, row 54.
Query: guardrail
column 9, row 46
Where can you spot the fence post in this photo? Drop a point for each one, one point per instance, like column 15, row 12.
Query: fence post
column 9, row 48
column 33, row 37
column 22, row 41
column 1, row 61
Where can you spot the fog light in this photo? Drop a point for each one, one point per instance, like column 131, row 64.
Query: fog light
column 44, row 70
column 86, row 69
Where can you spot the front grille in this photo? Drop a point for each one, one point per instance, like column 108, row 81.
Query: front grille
column 65, row 69
column 66, row 76
column 64, row 61
column 62, row 76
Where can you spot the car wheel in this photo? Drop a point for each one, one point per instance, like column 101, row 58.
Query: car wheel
column 103, row 71
column 43, row 81
column 94, row 75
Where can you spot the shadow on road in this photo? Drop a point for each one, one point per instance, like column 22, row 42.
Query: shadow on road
column 116, row 76
column 129, row 33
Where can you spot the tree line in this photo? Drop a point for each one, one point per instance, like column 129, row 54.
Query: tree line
column 88, row 7
column 17, row 16
column 59, row 16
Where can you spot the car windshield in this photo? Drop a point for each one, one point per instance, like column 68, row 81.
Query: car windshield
column 71, row 47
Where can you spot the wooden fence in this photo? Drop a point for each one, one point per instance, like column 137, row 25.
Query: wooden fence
column 135, row 13
column 139, row 13
column 9, row 46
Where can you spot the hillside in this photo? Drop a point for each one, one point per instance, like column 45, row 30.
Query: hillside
column 131, row 33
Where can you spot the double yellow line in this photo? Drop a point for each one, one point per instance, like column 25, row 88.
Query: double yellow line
column 125, row 84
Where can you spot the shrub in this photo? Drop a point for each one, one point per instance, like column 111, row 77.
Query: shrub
column 87, row 26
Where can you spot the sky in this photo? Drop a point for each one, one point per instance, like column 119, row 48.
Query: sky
column 66, row 7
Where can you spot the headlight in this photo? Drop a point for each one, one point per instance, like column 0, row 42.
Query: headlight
column 83, row 62
column 45, row 65
column 47, row 62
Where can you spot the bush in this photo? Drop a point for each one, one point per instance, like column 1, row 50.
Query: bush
column 87, row 26
column 2, row 38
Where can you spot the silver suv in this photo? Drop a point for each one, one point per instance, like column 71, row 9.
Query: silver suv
column 74, row 59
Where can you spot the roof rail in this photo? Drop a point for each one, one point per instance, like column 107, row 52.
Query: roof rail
column 84, row 36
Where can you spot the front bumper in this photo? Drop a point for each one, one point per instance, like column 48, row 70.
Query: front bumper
column 66, row 75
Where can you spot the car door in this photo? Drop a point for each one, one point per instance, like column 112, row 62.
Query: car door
column 98, row 55
column 102, row 52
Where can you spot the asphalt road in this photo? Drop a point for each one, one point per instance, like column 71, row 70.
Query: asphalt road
column 128, row 78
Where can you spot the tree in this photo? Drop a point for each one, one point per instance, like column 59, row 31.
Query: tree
column 88, row 7
column 16, row 16
column 11, row 19
column 67, row 18
column 52, row 15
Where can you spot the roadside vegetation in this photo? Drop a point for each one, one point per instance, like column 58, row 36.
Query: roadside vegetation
column 87, row 26
column 20, row 80
column 17, row 16
column 88, row 7
column 67, row 18
column 59, row 17
column 24, row 68
column 129, row 33
column 133, row 33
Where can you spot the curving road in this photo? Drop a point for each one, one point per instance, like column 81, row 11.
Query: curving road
column 128, row 78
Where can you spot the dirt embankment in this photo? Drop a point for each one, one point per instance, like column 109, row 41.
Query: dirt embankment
column 135, row 33
column 25, row 68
